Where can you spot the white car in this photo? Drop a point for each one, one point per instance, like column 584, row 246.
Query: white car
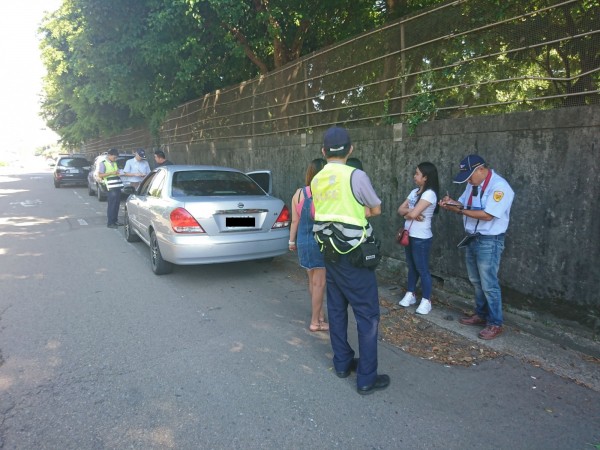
column 205, row 215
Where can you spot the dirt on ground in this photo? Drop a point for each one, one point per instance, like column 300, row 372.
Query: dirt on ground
column 414, row 334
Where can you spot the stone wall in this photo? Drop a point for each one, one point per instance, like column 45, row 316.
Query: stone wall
column 551, row 262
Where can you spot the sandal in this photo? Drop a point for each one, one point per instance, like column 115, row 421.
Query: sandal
column 321, row 326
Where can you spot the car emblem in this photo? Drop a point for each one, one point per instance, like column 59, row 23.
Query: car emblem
column 240, row 205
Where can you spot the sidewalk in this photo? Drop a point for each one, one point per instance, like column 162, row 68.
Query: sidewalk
column 554, row 348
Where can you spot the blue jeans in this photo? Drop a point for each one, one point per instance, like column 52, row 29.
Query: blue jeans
column 417, row 260
column 483, row 261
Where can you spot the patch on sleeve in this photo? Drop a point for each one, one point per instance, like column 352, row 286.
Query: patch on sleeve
column 498, row 195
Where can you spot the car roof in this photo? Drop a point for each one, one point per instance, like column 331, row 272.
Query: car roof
column 71, row 156
column 189, row 168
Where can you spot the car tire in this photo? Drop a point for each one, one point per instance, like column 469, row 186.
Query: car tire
column 100, row 194
column 159, row 265
column 130, row 235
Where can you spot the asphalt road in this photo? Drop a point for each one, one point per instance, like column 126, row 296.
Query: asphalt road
column 99, row 353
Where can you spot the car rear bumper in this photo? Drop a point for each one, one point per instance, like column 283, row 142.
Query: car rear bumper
column 199, row 249
column 70, row 180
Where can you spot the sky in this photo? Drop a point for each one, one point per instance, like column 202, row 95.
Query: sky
column 21, row 72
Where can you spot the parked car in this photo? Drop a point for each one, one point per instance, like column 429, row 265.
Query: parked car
column 95, row 187
column 71, row 169
column 205, row 215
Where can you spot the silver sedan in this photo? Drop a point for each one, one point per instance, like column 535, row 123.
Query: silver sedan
column 204, row 215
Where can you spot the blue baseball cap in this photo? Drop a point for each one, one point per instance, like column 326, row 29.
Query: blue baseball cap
column 335, row 139
column 141, row 153
column 467, row 167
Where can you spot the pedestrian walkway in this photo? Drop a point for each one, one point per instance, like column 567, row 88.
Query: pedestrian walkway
column 549, row 346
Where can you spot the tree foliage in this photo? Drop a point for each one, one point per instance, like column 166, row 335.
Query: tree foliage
column 120, row 63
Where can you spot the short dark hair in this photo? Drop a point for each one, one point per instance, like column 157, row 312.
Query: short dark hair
column 354, row 162
column 160, row 153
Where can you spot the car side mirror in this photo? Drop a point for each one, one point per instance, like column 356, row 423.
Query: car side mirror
column 129, row 190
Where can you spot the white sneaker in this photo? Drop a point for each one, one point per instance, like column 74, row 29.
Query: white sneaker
column 424, row 307
column 409, row 299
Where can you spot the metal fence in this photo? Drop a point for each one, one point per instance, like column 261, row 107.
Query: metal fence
column 462, row 58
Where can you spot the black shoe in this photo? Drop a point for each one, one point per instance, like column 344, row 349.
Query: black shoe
column 381, row 382
column 352, row 367
column 112, row 225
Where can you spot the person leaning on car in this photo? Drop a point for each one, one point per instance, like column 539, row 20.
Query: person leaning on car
column 136, row 168
column 344, row 197
column 108, row 172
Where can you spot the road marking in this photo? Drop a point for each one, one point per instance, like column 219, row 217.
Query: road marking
column 28, row 203
column 82, row 222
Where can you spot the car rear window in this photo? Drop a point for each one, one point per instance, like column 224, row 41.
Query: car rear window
column 213, row 182
column 74, row 162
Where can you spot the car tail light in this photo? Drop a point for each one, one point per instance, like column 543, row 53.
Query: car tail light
column 283, row 221
column 183, row 222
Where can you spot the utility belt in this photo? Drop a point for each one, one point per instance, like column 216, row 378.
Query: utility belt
column 363, row 254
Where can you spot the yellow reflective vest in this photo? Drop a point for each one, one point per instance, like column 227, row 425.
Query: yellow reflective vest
column 112, row 182
column 333, row 198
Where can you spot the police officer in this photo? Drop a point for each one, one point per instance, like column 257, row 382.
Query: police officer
column 108, row 172
column 485, row 207
column 344, row 197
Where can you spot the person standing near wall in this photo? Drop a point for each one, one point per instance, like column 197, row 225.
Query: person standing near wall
column 340, row 194
column 418, row 210
column 108, row 172
column 302, row 239
column 485, row 208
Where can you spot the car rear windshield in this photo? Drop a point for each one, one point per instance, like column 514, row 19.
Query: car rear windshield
column 213, row 182
column 74, row 162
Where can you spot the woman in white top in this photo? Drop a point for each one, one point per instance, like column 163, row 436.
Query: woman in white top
column 418, row 209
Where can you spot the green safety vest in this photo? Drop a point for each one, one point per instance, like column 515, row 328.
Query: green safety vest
column 112, row 182
column 333, row 197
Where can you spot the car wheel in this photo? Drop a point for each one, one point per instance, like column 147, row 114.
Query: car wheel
column 130, row 235
column 100, row 194
column 159, row 265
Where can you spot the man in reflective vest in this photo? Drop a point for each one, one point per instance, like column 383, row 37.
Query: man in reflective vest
column 108, row 172
column 344, row 198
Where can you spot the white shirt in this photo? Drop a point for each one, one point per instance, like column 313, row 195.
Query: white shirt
column 421, row 230
column 132, row 165
column 496, row 201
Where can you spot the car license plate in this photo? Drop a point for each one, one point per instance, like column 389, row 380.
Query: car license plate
column 239, row 222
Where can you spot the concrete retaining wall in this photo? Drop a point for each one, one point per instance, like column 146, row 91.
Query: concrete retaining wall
column 551, row 159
